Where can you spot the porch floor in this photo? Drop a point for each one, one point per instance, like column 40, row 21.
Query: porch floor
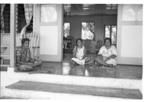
column 121, row 71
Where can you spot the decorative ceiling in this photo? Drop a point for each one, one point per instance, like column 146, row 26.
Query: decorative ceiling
column 90, row 9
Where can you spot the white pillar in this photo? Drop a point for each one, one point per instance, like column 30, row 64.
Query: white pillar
column 12, row 34
column 129, row 34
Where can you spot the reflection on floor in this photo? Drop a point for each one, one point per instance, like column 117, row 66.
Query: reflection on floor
column 64, row 68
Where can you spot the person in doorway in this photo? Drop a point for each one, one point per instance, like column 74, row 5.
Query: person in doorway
column 26, row 63
column 79, row 53
column 107, row 54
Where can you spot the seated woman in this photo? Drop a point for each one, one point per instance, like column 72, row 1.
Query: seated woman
column 107, row 54
column 26, row 63
column 79, row 53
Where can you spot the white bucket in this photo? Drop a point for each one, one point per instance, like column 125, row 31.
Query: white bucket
column 66, row 68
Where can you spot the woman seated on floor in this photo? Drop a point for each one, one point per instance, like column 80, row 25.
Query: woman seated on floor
column 26, row 63
column 107, row 54
column 79, row 53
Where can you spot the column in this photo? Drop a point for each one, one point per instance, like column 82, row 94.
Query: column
column 12, row 34
column 129, row 35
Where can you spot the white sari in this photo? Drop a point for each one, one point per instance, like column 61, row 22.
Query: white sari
column 79, row 56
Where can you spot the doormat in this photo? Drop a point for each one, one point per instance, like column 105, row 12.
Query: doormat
column 77, row 89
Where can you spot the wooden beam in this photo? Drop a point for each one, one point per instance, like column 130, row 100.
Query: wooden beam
column 12, row 34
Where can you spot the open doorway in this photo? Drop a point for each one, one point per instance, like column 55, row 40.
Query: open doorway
column 93, row 23
column 88, row 22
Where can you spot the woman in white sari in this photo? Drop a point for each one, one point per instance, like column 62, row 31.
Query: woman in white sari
column 79, row 53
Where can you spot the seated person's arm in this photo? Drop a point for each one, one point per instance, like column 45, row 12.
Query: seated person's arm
column 114, row 53
column 28, row 56
column 25, row 57
column 84, row 53
column 100, row 52
column 74, row 52
column 112, row 56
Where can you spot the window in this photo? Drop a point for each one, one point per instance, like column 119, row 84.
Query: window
column 114, row 34
column 66, row 29
column 48, row 14
column 107, row 31
column 111, row 32
column 87, row 31
column 5, row 19
column 21, row 22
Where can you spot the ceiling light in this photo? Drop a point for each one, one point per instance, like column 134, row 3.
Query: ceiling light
column 86, row 6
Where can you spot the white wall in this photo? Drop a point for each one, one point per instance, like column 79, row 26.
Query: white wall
column 131, row 44
column 129, row 35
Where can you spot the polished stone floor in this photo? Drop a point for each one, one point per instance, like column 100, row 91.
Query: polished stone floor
column 64, row 68
column 121, row 71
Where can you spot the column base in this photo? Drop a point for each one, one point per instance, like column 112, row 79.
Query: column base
column 11, row 69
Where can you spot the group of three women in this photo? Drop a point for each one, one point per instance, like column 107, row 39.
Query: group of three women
column 106, row 55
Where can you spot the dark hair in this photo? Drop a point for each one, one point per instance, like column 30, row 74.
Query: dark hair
column 24, row 40
column 107, row 39
column 79, row 40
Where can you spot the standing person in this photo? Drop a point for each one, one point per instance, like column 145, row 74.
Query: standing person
column 107, row 54
column 26, row 63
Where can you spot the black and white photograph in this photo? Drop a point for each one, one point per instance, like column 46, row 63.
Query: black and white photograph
column 71, row 50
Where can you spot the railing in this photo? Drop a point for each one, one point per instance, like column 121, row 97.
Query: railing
column 5, row 48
